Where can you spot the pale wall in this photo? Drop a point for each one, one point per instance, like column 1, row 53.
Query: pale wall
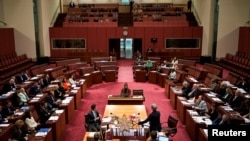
column 1, row 11
column 232, row 15
column 48, row 10
column 205, row 15
column 19, row 15
column 65, row 2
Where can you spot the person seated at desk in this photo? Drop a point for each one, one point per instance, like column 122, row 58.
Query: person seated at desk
column 72, row 80
column 149, row 63
column 8, row 109
column 111, row 58
column 19, row 134
column 174, row 61
column 139, row 55
column 214, row 85
column 19, row 78
column 224, row 120
column 186, row 89
column 23, row 98
column 41, row 83
column 236, row 100
column 125, row 92
column 243, row 83
column 9, row 86
column 46, row 80
column 172, row 75
column 221, row 90
column 149, row 50
column 153, row 119
column 228, row 94
column 94, row 119
column 29, row 120
column 200, row 105
column 58, row 94
column 52, row 101
column 212, row 113
column 34, row 90
column 66, row 84
column 194, row 92
column 245, row 108
column 2, row 117
column 44, row 113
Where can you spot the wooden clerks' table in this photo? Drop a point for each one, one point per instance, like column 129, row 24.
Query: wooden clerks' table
column 120, row 110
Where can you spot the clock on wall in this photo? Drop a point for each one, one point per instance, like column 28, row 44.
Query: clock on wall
column 125, row 32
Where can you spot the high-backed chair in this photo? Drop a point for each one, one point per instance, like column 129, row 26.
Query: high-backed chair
column 171, row 128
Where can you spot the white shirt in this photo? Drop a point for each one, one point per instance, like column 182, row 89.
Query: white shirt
column 31, row 123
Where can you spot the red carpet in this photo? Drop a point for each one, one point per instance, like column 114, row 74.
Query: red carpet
column 98, row 94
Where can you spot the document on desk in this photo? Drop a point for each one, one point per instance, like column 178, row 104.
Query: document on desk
column 106, row 119
column 54, row 118
column 4, row 125
column 73, row 91
column 41, row 134
column 138, row 96
column 59, row 111
column 216, row 99
column 227, row 108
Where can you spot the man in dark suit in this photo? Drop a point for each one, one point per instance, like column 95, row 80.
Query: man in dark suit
column 153, row 119
column 46, row 80
column 236, row 100
column 186, row 89
column 34, row 90
column 10, row 85
column 94, row 119
column 71, row 4
column 224, row 120
column 44, row 113
column 8, row 109
column 19, row 78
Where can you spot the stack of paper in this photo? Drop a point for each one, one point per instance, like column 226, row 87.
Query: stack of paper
column 59, row 111
column 54, row 118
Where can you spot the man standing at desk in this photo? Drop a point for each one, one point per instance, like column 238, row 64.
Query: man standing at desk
column 94, row 119
column 125, row 92
column 153, row 119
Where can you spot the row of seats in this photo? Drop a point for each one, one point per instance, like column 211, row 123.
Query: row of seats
column 8, row 56
column 237, row 64
column 14, row 65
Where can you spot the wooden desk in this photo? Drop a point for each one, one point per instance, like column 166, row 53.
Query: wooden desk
column 119, row 110
column 174, row 92
column 193, row 124
column 58, row 126
column 6, row 131
column 68, row 104
column 181, row 107
column 203, row 135
column 37, row 137
column 118, row 100
column 76, row 92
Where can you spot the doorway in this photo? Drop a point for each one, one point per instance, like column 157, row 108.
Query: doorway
column 124, row 48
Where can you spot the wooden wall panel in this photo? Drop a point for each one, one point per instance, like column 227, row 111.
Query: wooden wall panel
column 187, row 32
column 92, row 39
column 111, row 32
column 101, row 40
column 178, row 32
column 7, row 42
column 97, row 39
column 244, row 43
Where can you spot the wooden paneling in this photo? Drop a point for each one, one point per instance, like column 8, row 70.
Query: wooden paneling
column 97, row 38
column 7, row 42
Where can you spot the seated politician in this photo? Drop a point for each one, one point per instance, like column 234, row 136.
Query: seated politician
column 125, row 92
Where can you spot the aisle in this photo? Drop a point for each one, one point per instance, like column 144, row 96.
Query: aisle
column 125, row 72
